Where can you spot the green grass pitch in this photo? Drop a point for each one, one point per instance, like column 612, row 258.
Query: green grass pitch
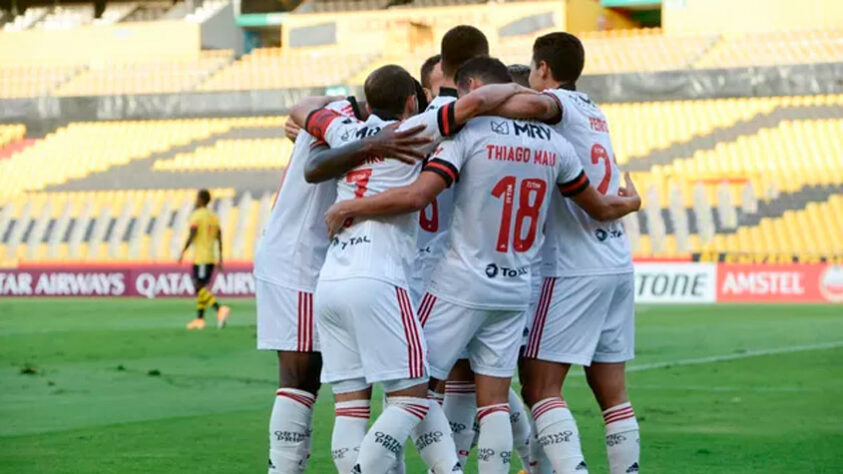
column 118, row 386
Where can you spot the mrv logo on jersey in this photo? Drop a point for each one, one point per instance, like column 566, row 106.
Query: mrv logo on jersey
column 493, row 271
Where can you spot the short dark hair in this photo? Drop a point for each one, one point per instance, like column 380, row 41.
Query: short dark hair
column 204, row 195
column 427, row 68
column 421, row 97
column 388, row 87
column 520, row 74
column 489, row 70
column 563, row 53
column 460, row 44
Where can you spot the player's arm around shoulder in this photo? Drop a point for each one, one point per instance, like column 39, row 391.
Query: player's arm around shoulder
column 326, row 163
column 391, row 202
column 484, row 100
column 440, row 171
column 531, row 105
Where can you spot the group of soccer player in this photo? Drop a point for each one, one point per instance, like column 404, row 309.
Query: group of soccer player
column 436, row 239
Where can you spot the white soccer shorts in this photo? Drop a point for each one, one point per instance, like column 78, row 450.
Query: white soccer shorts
column 285, row 318
column 535, row 293
column 584, row 319
column 368, row 329
column 491, row 337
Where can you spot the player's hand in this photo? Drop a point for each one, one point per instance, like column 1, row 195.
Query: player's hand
column 291, row 130
column 628, row 189
column 335, row 218
column 402, row 146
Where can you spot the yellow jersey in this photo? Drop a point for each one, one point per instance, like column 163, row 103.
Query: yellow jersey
column 207, row 226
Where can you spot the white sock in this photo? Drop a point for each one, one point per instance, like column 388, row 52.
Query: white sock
column 521, row 431
column 623, row 443
column 434, row 443
column 494, row 445
column 350, row 423
column 539, row 462
column 385, row 439
column 289, row 431
column 460, row 408
column 558, row 435
column 400, row 466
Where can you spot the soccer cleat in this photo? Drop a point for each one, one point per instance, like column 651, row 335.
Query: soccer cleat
column 523, row 472
column 198, row 323
column 222, row 316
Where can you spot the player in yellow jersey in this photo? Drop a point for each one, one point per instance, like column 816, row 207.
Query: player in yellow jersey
column 204, row 232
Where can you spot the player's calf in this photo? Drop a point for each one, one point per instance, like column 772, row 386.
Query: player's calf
column 352, row 410
column 407, row 406
column 623, row 444
column 494, row 443
column 292, row 412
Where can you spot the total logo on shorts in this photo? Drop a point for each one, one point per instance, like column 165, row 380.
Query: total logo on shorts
column 493, row 270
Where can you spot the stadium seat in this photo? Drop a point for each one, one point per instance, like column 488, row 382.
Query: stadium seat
column 272, row 68
column 145, row 75
column 231, row 155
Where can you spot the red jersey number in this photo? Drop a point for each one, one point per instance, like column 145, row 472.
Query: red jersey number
column 598, row 152
column 360, row 178
column 430, row 223
column 530, row 197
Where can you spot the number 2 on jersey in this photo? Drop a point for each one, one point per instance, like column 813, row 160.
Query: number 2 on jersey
column 598, row 152
column 361, row 179
column 530, row 198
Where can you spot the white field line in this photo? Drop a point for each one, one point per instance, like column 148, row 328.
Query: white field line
column 736, row 356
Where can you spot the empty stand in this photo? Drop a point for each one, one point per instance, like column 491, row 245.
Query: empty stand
column 273, row 68
column 775, row 48
column 232, row 155
column 68, row 153
column 145, row 75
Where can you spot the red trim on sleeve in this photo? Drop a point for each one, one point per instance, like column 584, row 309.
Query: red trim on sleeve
column 318, row 121
column 575, row 186
column 558, row 118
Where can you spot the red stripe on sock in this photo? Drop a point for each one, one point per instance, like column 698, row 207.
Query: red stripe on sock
column 304, row 400
column 486, row 411
column 618, row 415
column 419, row 411
column 543, row 407
column 363, row 413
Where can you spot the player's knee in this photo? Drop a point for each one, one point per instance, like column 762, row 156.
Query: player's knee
column 414, row 387
column 538, row 388
column 300, row 371
column 353, row 389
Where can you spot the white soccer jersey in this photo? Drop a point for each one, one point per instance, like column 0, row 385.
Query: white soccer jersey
column 507, row 172
column 436, row 217
column 381, row 248
column 576, row 243
column 295, row 239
